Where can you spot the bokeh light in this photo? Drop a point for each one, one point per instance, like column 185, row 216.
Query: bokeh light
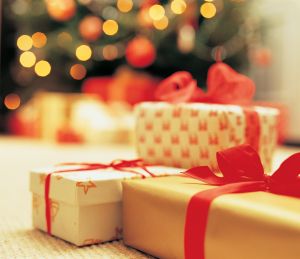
column 156, row 12
column 64, row 38
column 161, row 24
column 208, row 10
column 125, row 5
column 42, row 68
column 83, row 52
column 110, row 27
column 24, row 42
column 110, row 52
column 27, row 59
column 144, row 18
column 78, row 71
column 178, row 6
column 12, row 101
column 110, row 13
column 39, row 39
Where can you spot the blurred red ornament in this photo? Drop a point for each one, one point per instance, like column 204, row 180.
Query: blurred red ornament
column 18, row 124
column 140, row 52
column 61, row 10
column 125, row 86
column 262, row 57
column 68, row 135
column 97, row 85
column 144, row 18
column 148, row 3
column 90, row 28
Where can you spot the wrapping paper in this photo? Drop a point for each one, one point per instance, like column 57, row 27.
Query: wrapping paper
column 256, row 225
column 85, row 205
column 189, row 134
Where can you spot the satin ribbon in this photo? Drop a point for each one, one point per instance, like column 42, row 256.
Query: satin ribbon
column 242, row 172
column 118, row 165
column 224, row 86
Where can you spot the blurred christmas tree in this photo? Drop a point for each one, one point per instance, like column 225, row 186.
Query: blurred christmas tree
column 61, row 42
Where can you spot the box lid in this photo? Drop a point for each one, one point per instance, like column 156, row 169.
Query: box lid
column 89, row 187
column 188, row 107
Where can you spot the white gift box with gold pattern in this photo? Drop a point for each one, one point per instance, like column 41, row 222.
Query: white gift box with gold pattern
column 86, row 205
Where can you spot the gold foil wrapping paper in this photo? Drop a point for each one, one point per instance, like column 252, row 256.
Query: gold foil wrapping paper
column 256, row 225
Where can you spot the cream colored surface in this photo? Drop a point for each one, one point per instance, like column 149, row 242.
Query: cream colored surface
column 18, row 239
column 256, row 225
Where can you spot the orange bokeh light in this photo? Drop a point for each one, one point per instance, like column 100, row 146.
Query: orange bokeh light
column 39, row 39
column 78, row 71
column 12, row 101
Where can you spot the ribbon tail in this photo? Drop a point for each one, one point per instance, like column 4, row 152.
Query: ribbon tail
column 198, row 211
column 48, row 203
column 204, row 174
column 289, row 170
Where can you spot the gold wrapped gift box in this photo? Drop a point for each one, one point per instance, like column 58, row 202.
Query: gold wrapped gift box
column 257, row 225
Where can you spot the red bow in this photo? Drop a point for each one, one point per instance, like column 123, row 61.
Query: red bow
column 242, row 164
column 242, row 172
column 119, row 165
column 224, row 85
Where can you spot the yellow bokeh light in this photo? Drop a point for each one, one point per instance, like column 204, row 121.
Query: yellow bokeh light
column 24, row 42
column 27, row 59
column 110, row 52
column 178, row 6
column 83, row 52
column 161, row 24
column 39, row 39
column 156, row 12
column 12, row 101
column 125, row 5
column 78, row 71
column 208, row 10
column 42, row 68
column 110, row 27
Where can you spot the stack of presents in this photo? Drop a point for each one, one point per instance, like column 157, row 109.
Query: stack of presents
column 201, row 188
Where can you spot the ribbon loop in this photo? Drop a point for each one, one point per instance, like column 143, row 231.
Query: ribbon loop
column 224, row 85
column 240, row 163
column 289, row 170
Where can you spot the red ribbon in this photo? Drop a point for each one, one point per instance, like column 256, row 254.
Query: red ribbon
column 119, row 165
column 224, row 85
column 242, row 172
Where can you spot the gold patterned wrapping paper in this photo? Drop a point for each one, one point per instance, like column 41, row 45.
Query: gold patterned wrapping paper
column 189, row 134
column 85, row 205
column 255, row 225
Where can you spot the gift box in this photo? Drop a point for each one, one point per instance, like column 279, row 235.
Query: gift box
column 189, row 134
column 191, row 125
column 81, row 203
column 248, row 216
